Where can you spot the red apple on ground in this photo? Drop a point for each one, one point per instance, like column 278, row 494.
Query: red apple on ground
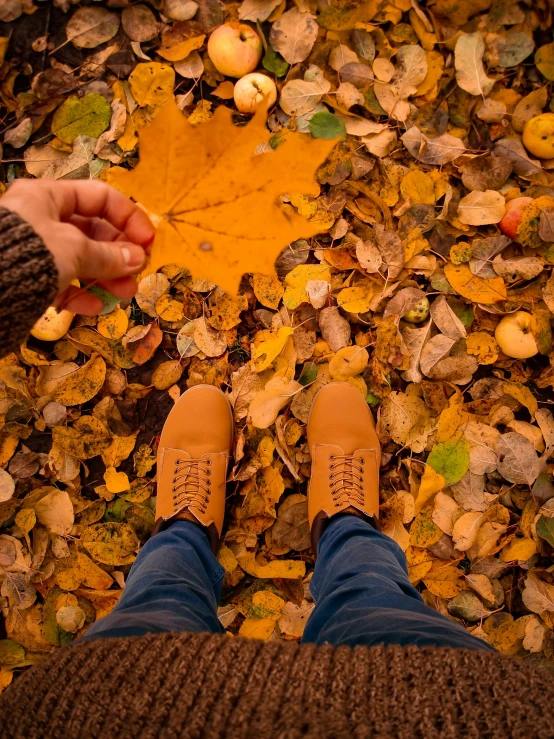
column 235, row 49
column 512, row 216
column 515, row 335
column 251, row 89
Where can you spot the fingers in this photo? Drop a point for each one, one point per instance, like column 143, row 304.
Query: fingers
column 105, row 260
column 94, row 199
column 97, row 229
column 79, row 300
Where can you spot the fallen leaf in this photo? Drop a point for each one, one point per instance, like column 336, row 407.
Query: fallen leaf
column 190, row 213
column 468, row 60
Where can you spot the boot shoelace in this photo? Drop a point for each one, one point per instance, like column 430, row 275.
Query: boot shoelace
column 192, row 484
column 346, row 478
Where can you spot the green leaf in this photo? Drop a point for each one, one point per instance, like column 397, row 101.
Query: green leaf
column 86, row 116
column 11, row 653
column 450, row 459
column 109, row 301
column 308, row 374
column 325, row 125
column 545, row 529
column 274, row 63
column 371, row 399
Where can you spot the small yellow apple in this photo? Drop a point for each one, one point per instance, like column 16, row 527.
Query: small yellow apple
column 52, row 325
column 251, row 89
column 235, row 49
column 538, row 136
column 419, row 312
column 515, row 335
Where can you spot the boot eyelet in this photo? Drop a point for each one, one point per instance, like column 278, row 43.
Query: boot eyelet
column 209, row 462
column 361, row 479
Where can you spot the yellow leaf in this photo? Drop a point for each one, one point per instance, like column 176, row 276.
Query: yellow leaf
column 287, row 569
column 55, row 511
column 119, row 450
column 85, row 439
column 419, row 562
column 418, row 187
column 111, row 543
column 466, row 529
column 113, row 325
column 475, row 288
column 483, row 346
column 227, row 559
column 399, row 534
column 522, row 394
column 224, row 310
column 297, row 280
column 444, row 580
column 450, row 421
column 83, row 570
column 431, row 483
column 265, row 353
column 519, row 549
column 26, row 519
column 266, row 404
column 169, row 309
column 257, row 628
column 116, row 482
column 167, row 374
column 6, row 677
column 268, row 289
column 348, row 362
column 152, row 84
column 83, row 384
column 178, row 42
column 355, row 299
column 423, row 531
column 183, row 176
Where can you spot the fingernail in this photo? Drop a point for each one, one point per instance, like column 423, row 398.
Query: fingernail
column 133, row 257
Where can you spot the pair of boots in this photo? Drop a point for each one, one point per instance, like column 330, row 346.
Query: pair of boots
column 195, row 447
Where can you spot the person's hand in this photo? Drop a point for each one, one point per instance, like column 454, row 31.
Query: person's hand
column 94, row 233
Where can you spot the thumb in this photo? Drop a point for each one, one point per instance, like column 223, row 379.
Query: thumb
column 109, row 260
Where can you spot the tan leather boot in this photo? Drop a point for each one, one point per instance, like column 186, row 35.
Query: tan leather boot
column 345, row 455
column 192, row 460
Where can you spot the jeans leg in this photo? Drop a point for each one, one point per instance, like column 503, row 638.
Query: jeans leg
column 174, row 585
column 363, row 594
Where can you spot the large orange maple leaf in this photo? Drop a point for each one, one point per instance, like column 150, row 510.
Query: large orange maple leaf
column 217, row 196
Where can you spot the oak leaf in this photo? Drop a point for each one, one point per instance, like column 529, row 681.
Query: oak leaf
column 216, row 197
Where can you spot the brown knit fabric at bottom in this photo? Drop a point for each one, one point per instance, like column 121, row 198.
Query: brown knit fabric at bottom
column 201, row 685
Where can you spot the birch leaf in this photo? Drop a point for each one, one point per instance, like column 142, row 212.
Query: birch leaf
column 468, row 60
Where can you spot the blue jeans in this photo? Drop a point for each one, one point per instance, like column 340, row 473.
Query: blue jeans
column 360, row 587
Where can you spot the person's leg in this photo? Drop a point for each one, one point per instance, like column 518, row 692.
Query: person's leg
column 175, row 582
column 174, row 585
column 363, row 594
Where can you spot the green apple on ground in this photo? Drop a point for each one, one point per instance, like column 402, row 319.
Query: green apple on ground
column 235, row 49
column 515, row 335
column 512, row 215
column 251, row 90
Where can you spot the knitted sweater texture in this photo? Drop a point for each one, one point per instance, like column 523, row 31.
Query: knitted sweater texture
column 202, row 685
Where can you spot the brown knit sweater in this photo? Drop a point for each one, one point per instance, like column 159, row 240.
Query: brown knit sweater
column 28, row 279
column 185, row 685
column 198, row 685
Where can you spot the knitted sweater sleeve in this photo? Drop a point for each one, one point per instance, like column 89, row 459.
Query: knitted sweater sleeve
column 28, row 279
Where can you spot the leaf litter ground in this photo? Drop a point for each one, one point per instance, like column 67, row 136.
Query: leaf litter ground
column 430, row 105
